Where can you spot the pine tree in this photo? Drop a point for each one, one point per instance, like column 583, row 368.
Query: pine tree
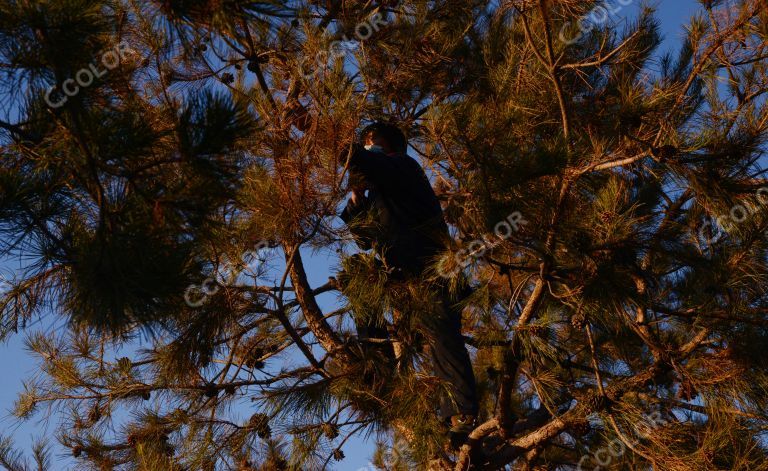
column 168, row 166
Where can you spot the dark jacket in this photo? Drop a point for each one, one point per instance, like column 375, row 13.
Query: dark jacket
column 401, row 217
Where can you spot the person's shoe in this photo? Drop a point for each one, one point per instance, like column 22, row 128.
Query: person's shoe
column 461, row 426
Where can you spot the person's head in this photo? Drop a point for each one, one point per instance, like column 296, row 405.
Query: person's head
column 384, row 137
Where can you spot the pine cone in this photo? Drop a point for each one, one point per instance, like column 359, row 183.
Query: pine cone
column 253, row 363
column 124, row 363
column 330, row 431
column 606, row 217
column 687, row 391
column 260, row 423
column 253, row 65
column 596, row 402
column 492, row 373
column 257, row 352
column 211, row 390
column 254, row 355
column 537, row 330
column 338, row 455
column 581, row 428
column 94, row 415
column 578, row 321
column 664, row 152
column 264, row 432
column 79, row 424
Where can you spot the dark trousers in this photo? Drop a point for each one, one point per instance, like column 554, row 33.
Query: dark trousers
column 450, row 358
column 448, row 352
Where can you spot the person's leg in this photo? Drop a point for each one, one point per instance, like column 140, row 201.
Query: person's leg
column 451, row 360
column 370, row 324
column 369, row 329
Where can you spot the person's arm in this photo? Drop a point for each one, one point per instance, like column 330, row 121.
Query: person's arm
column 358, row 185
column 357, row 195
column 353, row 209
column 354, row 215
column 375, row 167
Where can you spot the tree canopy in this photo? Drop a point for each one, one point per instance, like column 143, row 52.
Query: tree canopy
column 168, row 168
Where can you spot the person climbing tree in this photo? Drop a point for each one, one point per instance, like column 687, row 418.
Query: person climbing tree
column 394, row 210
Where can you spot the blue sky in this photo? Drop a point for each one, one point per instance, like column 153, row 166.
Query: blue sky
column 17, row 364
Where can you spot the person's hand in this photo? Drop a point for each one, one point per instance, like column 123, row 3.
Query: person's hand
column 357, row 195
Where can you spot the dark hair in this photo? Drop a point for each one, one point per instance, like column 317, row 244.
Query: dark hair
column 389, row 132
